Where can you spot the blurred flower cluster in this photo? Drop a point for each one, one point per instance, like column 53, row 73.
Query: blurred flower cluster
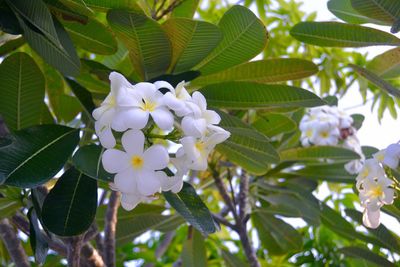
column 179, row 121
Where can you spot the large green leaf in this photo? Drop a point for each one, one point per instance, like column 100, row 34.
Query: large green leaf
column 11, row 45
column 149, row 47
column 83, row 95
column 387, row 11
column 185, row 9
column 70, row 207
column 316, row 153
column 92, row 36
column 188, row 204
column 387, row 64
column 36, row 154
column 22, row 92
column 344, row 11
column 336, row 34
column 367, row 254
column 8, row 207
column 232, row 260
column 246, row 146
column 191, row 42
column 376, row 80
column 8, row 21
column 272, row 124
column 244, row 95
column 262, row 71
column 194, row 250
column 244, row 37
column 275, row 235
column 102, row 5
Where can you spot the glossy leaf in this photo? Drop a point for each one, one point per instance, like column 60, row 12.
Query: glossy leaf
column 8, row 21
column 11, row 45
column 70, row 207
column 262, row 71
column 344, row 11
column 191, row 42
column 272, row 124
column 386, row 65
column 194, row 250
column 244, row 95
column 244, row 37
column 149, row 48
column 22, row 92
column 367, row 254
column 83, row 95
column 103, row 5
column 190, row 206
column 317, row 153
column 336, row 34
column 92, row 36
column 88, row 160
column 383, row 10
column 246, row 146
column 36, row 154
column 186, row 9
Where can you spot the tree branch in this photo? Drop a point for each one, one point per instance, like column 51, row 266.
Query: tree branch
column 74, row 251
column 109, row 229
column 162, row 248
column 243, row 195
column 91, row 257
column 13, row 245
column 224, row 193
column 247, row 247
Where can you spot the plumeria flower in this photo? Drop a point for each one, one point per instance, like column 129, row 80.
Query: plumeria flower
column 119, row 96
column 177, row 99
column 197, row 123
column 371, row 169
column 136, row 170
column 392, row 156
column 379, row 156
column 375, row 193
column 353, row 143
column 174, row 183
column 325, row 135
column 197, row 150
column 307, row 132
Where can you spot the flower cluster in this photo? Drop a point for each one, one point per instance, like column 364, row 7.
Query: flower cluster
column 330, row 126
column 374, row 186
column 140, row 168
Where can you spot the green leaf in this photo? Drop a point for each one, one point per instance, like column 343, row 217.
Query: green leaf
column 194, row 250
column 191, row 42
column 275, row 235
column 316, row 153
column 102, row 5
column 92, row 36
column 8, row 21
column 344, row 11
column 387, row 64
column 244, row 95
column 244, row 37
column 175, row 79
column 369, row 151
column 376, row 80
column 149, row 48
column 83, row 95
column 231, row 260
column 185, row 9
column 272, row 124
column 11, row 44
column 367, row 254
column 88, row 160
column 336, row 34
column 246, row 146
column 188, row 204
column 36, row 154
column 22, row 93
column 262, row 71
column 70, row 207
column 358, row 120
column 383, row 10
column 8, row 207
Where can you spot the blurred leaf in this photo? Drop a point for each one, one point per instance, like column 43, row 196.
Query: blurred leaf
column 231, row 260
column 22, row 93
column 387, row 64
column 275, row 235
column 92, row 36
column 8, row 207
column 317, row 153
column 244, row 95
column 175, row 79
column 11, row 45
column 191, row 42
column 373, row 78
column 68, row 108
column 383, row 10
column 190, row 206
column 331, row 100
column 246, row 146
column 103, row 5
column 194, row 250
column 344, row 11
column 149, row 48
column 88, row 160
column 70, row 207
column 272, row 124
column 37, row 240
column 262, row 71
column 8, row 21
column 336, row 34
column 83, row 95
column 244, row 37
column 186, row 9
column 36, row 154
column 367, row 254
column 368, row 151
column 358, row 120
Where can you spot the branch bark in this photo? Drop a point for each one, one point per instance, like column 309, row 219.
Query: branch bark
column 13, row 244
column 109, row 229
column 74, row 251
column 91, row 257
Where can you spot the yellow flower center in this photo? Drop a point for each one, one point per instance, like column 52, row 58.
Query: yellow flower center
column 137, row 162
column 148, row 106
column 309, row 133
column 199, row 146
column 324, row 134
column 364, row 172
column 380, row 157
column 377, row 191
column 113, row 102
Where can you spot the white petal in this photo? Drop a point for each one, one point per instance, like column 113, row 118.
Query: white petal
column 105, row 135
column 211, row 117
column 164, row 84
column 177, row 187
column 129, row 201
column 163, row 118
column 118, row 122
column 133, row 142
column 156, row 158
column 194, row 127
column 172, row 102
column 98, row 112
column 126, row 181
column 388, row 196
column 114, row 160
column 391, row 162
column 199, row 100
column 371, row 219
column 118, row 81
column 149, row 182
column 135, row 118
column 170, row 182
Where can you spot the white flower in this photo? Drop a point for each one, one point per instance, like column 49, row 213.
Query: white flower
column 197, row 150
column 119, row 96
column 371, row 218
column 177, row 99
column 392, row 156
column 136, row 170
column 307, row 132
column 371, row 169
column 175, row 182
column 380, row 155
column 354, row 166
column 325, row 134
column 197, row 123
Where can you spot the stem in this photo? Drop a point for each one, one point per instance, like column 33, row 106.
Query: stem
column 247, row 247
column 162, row 248
column 109, row 229
column 91, row 257
column 74, row 251
column 243, row 195
column 224, row 193
column 13, row 245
